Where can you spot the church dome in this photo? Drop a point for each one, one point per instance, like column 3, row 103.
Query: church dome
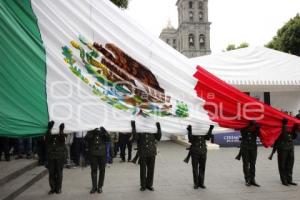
column 169, row 28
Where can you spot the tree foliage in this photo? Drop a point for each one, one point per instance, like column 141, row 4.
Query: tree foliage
column 121, row 3
column 230, row 47
column 288, row 37
column 233, row 47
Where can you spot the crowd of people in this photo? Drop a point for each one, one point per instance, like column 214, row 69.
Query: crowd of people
column 98, row 148
column 19, row 148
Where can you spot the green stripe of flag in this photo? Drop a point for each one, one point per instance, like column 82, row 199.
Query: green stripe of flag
column 23, row 100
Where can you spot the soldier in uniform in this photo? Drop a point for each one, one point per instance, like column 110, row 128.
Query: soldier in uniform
column 96, row 142
column 248, row 151
column 198, row 152
column 125, row 140
column 146, row 144
column 56, row 151
column 298, row 115
column 285, row 153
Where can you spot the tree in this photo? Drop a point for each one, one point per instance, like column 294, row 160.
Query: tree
column 233, row 47
column 230, row 47
column 121, row 3
column 243, row 45
column 288, row 37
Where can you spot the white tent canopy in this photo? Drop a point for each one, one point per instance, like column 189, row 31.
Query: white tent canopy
column 254, row 66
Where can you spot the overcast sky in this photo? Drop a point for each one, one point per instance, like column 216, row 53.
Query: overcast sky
column 233, row 21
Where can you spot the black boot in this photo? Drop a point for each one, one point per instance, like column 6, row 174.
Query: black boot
column 285, row 183
column 93, row 190
column 253, row 182
column 248, row 182
column 99, row 190
column 292, row 183
column 58, row 191
column 202, row 186
column 150, row 188
column 51, row 192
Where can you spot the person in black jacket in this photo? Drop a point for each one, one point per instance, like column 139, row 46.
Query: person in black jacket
column 285, row 153
column 125, row 140
column 146, row 144
column 198, row 152
column 56, row 151
column 248, row 151
column 4, row 147
column 96, row 142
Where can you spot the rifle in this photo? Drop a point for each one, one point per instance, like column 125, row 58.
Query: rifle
column 272, row 153
column 187, row 159
column 238, row 157
column 136, row 157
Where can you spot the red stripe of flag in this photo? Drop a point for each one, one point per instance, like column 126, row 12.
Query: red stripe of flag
column 231, row 108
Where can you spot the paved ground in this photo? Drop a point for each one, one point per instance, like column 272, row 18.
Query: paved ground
column 8, row 168
column 173, row 179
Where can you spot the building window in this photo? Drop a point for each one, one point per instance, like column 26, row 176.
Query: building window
column 191, row 16
column 167, row 41
column 174, row 43
column 191, row 40
column 190, row 4
column 201, row 5
column 202, row 41
column 200, row 16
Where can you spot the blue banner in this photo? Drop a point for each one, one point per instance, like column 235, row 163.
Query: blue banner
column 232, row 139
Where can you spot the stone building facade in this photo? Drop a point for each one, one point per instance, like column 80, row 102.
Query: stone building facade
column 192, row 37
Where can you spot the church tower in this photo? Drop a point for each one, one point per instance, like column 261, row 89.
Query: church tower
column 192, row 38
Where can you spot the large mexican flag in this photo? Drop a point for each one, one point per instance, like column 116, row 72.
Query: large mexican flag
column 87, row 64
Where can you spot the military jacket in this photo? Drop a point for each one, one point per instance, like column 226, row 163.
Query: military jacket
column 96, row 142
column 249, row 138
column 198, row 144
column 285, row 140
column 125, row 137
column 146, row 143
column 56, row 148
